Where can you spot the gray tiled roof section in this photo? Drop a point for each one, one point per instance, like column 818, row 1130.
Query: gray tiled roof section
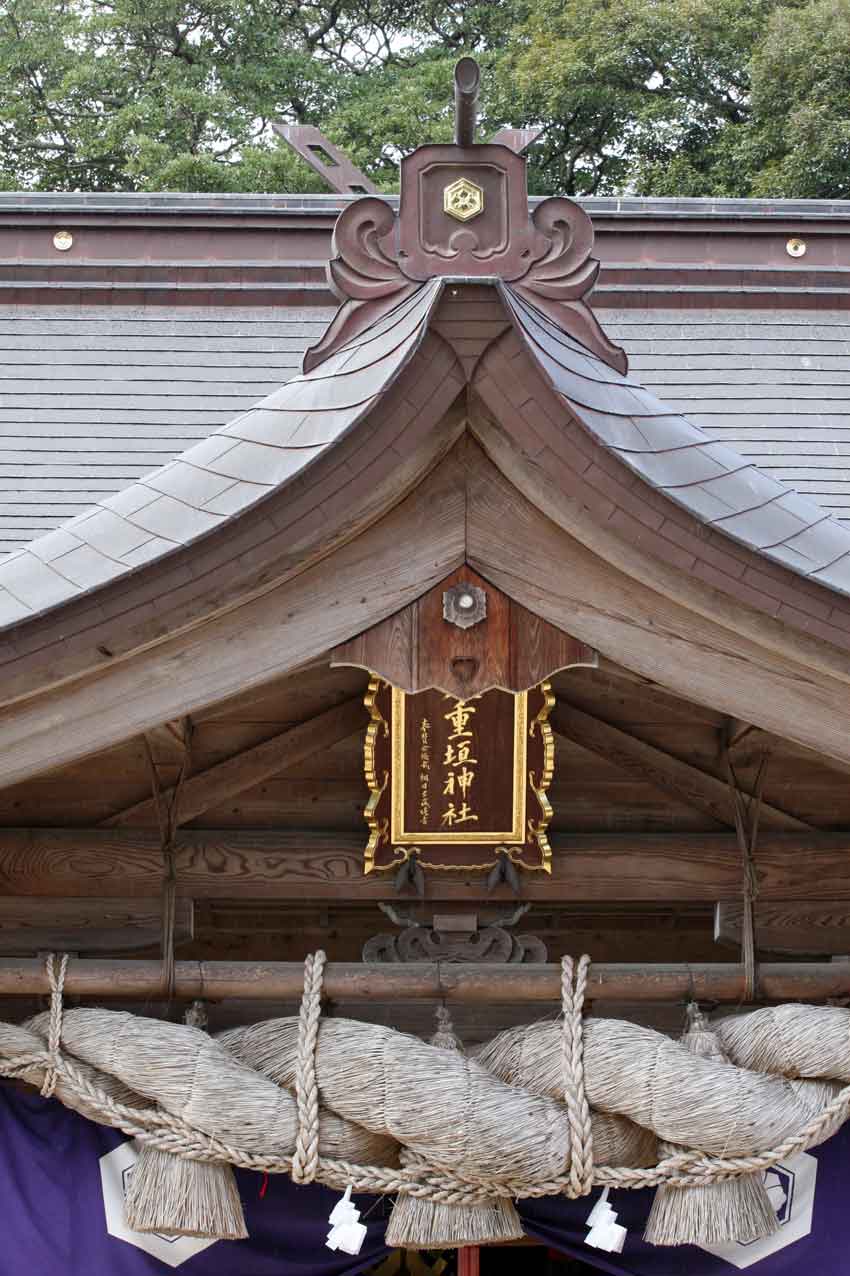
column 252, row 454
column 773, row 385
column 93, row 398
column 678, row 456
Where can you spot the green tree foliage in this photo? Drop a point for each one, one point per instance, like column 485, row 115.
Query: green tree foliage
column 663, row 97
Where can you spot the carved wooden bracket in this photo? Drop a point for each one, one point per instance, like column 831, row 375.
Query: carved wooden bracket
column 510, row 647
column 457, row 938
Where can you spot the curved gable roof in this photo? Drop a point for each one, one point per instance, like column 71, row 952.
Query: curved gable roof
column 373, row 336
column 213, row 482
column 710, row 480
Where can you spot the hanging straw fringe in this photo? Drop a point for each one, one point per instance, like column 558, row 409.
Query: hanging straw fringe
column 417, row 1223
column 305, row 1162
column 710, row 1213
column 175, row 1197
column 54, row 1039
column 399, row 1116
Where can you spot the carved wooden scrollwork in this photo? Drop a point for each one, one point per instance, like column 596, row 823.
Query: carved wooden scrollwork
column 558, row 282
column 367, row 280
column 490, row 945
column 544, row 260
column 493, row 943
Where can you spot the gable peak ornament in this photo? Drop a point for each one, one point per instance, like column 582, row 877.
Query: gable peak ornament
column 463, row 215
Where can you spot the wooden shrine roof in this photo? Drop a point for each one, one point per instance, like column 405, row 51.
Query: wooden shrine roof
column 172, row 314
column 229, row 493
column 94, row 397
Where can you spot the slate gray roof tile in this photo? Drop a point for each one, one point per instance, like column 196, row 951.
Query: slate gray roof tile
column 211, row 481
column 175, row 521
column 235, row 497
column 709, row 479
column 837, row 575
column 152, row 548
column 54, row 544
column 35, row 584
column 188, row 482
column 112, row 535
column 84, row 567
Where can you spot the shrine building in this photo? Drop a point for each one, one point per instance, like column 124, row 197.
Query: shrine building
column 449, row 582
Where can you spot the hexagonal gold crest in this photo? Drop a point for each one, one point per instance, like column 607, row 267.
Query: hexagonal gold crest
column 463, row 199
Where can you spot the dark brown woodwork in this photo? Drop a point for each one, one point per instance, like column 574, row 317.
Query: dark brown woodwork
column 799, row 929
column 680, row 779
column 287, row 864
column 283, row 981
column 337, row 169
column 545, row 257
column 219, row 783
column 668, row 627
column 88, row 926
column 510, row 648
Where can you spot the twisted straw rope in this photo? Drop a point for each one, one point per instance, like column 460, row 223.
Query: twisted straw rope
column 168, row 1133
column 54, row 1038
column 573, row 987
column 305, row 1162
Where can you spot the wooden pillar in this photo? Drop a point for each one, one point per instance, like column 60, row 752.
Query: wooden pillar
column 469, row 1261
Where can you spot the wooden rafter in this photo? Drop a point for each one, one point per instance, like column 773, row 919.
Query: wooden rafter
column 225, row 780
column 309, row 865
column 678, row 779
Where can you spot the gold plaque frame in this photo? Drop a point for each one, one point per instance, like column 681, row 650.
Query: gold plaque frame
column 400, row 835
column 531, row 830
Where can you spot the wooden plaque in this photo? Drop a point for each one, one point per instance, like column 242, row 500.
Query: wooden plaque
column 454, row 781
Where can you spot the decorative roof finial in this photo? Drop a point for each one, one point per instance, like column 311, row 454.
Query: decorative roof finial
column 467, row 80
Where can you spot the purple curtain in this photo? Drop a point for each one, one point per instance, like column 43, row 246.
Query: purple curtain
column 61, row 1188
column 54, row 1186
column 810, row 1194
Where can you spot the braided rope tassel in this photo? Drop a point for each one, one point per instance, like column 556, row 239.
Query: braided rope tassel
column 305, row 1161
column 54, row 1040
column 573, row 987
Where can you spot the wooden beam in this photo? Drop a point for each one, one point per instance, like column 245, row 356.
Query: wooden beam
column 309, row 865
column 283, row 981
column 530, row 536
column 680, row 780
column 272, row 633
column 88, row 926
column 227, row 779
column 793, row 928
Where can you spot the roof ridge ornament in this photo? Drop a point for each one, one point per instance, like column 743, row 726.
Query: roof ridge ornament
column 463, row 215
